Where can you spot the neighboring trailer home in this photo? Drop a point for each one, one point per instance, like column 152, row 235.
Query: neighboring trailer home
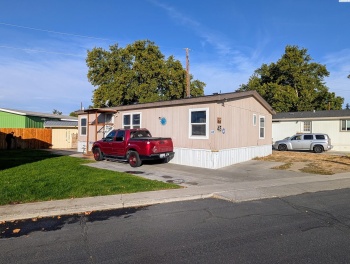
column 30, row 126
column 64, row 134
column 12, row 118
column 209, row 131
column 335, row 123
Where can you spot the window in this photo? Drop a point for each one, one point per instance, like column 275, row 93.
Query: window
column 111, row 135
column 308, row 137
column 120, row 136
column 345, row 125
column 320, row 137
column 199, row 123
column 254, row 119
column 262, row 127
column 83, row 126
column 132, row 121
column 108, row 118
column 307, row 126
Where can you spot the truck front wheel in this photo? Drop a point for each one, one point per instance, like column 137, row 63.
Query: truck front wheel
column 134, row 159
column 97, row 154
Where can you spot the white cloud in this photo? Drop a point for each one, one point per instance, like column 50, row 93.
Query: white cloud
column 46, row 85
column 338, row 64
column 219, row 78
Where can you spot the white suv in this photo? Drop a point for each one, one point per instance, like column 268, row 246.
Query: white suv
column 317, row 142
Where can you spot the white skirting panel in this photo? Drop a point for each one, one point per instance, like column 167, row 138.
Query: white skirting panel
column 218, row 159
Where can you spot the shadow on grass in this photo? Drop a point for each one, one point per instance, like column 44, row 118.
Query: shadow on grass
column 18, row 157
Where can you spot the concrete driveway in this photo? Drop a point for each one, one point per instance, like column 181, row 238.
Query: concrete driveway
column 188, row 176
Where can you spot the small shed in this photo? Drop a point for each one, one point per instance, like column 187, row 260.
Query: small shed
column 335, row 123
column 64, row 134
column 209, row 131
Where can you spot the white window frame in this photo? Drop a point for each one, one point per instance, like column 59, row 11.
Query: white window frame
column 347, row 124
column 262, row 117
column 81, row 127
column 303, row 128
column 206, row 136
column 254, row 119
column 131, row 118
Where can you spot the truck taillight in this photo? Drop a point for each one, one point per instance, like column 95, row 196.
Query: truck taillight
column 154, row 149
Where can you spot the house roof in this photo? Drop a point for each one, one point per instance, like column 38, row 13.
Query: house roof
column 218, row 98
column 43, row 115
column 61, row 123
column 312, row 115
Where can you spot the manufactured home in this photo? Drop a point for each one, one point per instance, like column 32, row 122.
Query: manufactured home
column 335, row 123
column 210, row 131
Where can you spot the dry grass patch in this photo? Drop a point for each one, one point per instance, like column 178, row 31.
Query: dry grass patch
column 326, row 164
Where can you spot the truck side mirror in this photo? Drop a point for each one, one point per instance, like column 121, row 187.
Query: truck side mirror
column 119, row 139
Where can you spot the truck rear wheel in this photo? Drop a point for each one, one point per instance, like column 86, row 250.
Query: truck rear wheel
column 134, row 159
column 97, row 154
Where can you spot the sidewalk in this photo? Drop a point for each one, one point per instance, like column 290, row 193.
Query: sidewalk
column 247, row 181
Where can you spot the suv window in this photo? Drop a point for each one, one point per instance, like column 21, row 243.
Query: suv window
column 296, row 138
column 320, row 137
column 308, row 137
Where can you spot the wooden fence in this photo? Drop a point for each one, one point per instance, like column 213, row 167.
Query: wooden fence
column 27, row 138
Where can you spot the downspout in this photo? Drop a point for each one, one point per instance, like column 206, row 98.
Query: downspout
column 96, row 121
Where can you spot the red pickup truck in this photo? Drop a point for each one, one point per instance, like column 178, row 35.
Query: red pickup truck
column 134, row 146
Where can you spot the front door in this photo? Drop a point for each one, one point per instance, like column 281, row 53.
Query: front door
column 297, row 142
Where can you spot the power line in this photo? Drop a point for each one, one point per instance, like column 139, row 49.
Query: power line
column 51, row 31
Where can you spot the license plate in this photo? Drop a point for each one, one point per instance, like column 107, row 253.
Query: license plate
column 161, row 155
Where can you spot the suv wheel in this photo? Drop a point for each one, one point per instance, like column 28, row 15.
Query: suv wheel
column 282, row 147
column 318, row 149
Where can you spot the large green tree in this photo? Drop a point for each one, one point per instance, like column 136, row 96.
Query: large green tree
column 138, row 73
column 294, row 83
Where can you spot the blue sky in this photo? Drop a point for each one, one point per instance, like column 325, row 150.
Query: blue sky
column 43, row 44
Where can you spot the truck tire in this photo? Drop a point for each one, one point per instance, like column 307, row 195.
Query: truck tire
column 282, row 147
column 318, row 149
column 97, row 154
column 134, row 159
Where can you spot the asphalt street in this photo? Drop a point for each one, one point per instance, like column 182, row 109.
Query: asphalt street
column 307, row 228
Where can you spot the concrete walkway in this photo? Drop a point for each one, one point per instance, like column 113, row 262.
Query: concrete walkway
column 246, row 181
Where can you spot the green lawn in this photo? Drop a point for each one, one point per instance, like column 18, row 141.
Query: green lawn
column 38, row 175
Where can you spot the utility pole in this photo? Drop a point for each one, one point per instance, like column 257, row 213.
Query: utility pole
column 188, row 91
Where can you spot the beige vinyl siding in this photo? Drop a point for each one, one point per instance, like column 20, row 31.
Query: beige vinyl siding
column 236, row 120
column 64, row 138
